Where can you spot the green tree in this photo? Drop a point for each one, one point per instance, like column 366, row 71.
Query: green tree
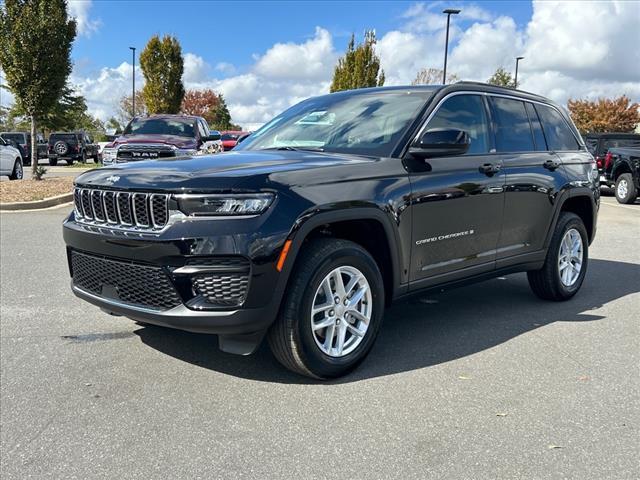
column 68, row 113
column 359, row 67
column 162, row 65
column 502, row 78
column 219, row 118
column 124, row 107
column 433, row 76
column 36, row 38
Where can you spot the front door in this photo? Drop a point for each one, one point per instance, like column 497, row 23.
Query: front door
column 457, row 201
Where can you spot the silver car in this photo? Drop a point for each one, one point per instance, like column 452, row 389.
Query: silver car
column 10, row 161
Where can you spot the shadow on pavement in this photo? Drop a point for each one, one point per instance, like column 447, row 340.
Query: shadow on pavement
column 418, row 334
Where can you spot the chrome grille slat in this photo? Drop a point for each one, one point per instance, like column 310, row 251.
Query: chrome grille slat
column 140, row 209
column 136, row 211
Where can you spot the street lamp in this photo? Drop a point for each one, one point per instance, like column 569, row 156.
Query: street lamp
column 133, row 96
column 515, row 80
column 449, row 12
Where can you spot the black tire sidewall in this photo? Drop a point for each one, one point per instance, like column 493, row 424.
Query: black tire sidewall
column 569, row 222
column 53, row 162
column 14, row 173
column 317, row 361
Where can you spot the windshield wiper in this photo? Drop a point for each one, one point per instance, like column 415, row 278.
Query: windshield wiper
column 294, row 149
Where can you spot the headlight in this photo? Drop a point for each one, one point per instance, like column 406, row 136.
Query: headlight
column 109, row 155
column 214, row 204
column 181, row 152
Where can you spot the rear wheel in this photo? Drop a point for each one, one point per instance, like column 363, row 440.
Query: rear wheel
column 626, row 191
column 332, row 310
column 53, row 161
column 565, row 267
column 18, row 172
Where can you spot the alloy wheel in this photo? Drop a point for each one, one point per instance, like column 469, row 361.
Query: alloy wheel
column 341, row 311
column 570, row 257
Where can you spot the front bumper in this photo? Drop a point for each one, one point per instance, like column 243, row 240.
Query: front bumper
column 175, row 252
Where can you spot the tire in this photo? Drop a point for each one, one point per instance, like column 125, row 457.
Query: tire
column 70, row 161
column 625, row 189
column 18, row 172
column 547, row 283
column 83, row 159
column 292, row 339
column 61, row 148
column 53, row 162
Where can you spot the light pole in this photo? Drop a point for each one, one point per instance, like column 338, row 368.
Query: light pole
column 133, row 96
column 449, row 12
column 515, row 80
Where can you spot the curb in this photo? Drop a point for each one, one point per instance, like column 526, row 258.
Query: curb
column 38, row 204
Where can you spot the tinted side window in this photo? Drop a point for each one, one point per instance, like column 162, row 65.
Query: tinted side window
column 465, row 112
column 513, row 132
column 559, row 135
column 536, row 128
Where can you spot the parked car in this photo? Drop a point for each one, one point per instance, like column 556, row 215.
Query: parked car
column 333, row 210
column 10, row 161
column 623, row 172
column 230, row 138
column 71, row 147
column 600, row 143
column 23, row 140
column 162, row 136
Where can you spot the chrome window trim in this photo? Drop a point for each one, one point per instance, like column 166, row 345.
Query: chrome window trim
column 503, row 95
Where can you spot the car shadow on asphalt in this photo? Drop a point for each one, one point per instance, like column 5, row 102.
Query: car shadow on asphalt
column 429, row 330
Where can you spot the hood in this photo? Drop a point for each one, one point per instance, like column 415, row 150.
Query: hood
column 179, row 142
column 225, row 171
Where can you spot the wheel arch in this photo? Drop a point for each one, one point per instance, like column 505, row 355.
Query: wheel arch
column 367, row 226
column 583, row 207
column 619, row 169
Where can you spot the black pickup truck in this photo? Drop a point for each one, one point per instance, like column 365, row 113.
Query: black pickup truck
column 333, row 210
column 623, row 171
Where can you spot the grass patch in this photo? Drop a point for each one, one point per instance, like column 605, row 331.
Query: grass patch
column 83, row 166
column 31, row 190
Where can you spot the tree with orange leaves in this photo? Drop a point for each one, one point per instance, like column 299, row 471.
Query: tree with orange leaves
column 605, row 115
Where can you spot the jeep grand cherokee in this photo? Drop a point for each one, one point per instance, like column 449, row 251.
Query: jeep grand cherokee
column 334, row 209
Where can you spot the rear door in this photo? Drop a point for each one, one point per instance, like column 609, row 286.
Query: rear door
column 533, row 176
column 456, row 207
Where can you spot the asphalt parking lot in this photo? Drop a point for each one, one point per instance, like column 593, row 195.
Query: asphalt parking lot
column 486, row 381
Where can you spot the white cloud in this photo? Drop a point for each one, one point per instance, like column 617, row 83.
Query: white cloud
column 571, row 50
column 104, row 90
column 311, row 60
column 195, row 68
column 80, row 10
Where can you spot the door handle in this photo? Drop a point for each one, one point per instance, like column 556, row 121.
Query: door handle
column 551, row 164
column 489, row 169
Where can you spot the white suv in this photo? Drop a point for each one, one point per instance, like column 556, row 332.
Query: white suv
column 10, row 161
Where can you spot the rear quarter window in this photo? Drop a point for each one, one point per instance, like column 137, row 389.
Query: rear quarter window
column 558, row 134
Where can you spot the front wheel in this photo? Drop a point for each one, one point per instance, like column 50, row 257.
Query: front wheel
column 565, row 266
column 18, row 172
column 625, row 189
column 332, row 310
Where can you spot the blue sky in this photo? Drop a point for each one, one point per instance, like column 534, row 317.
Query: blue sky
column 266, row 56
column 232, row 32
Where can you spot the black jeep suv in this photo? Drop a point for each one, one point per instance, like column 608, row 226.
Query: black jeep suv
column 334, row 209
column 71, row 147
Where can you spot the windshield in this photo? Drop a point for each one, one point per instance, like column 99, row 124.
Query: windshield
column 161, row 126
column 67, row 137
column 16, row 137
column 230, row 136
column 361, row 124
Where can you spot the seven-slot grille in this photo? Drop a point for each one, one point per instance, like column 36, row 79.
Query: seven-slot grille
column 121, row 209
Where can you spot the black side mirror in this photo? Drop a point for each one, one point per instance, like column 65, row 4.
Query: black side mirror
column 213, row 136
column 441, row 142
